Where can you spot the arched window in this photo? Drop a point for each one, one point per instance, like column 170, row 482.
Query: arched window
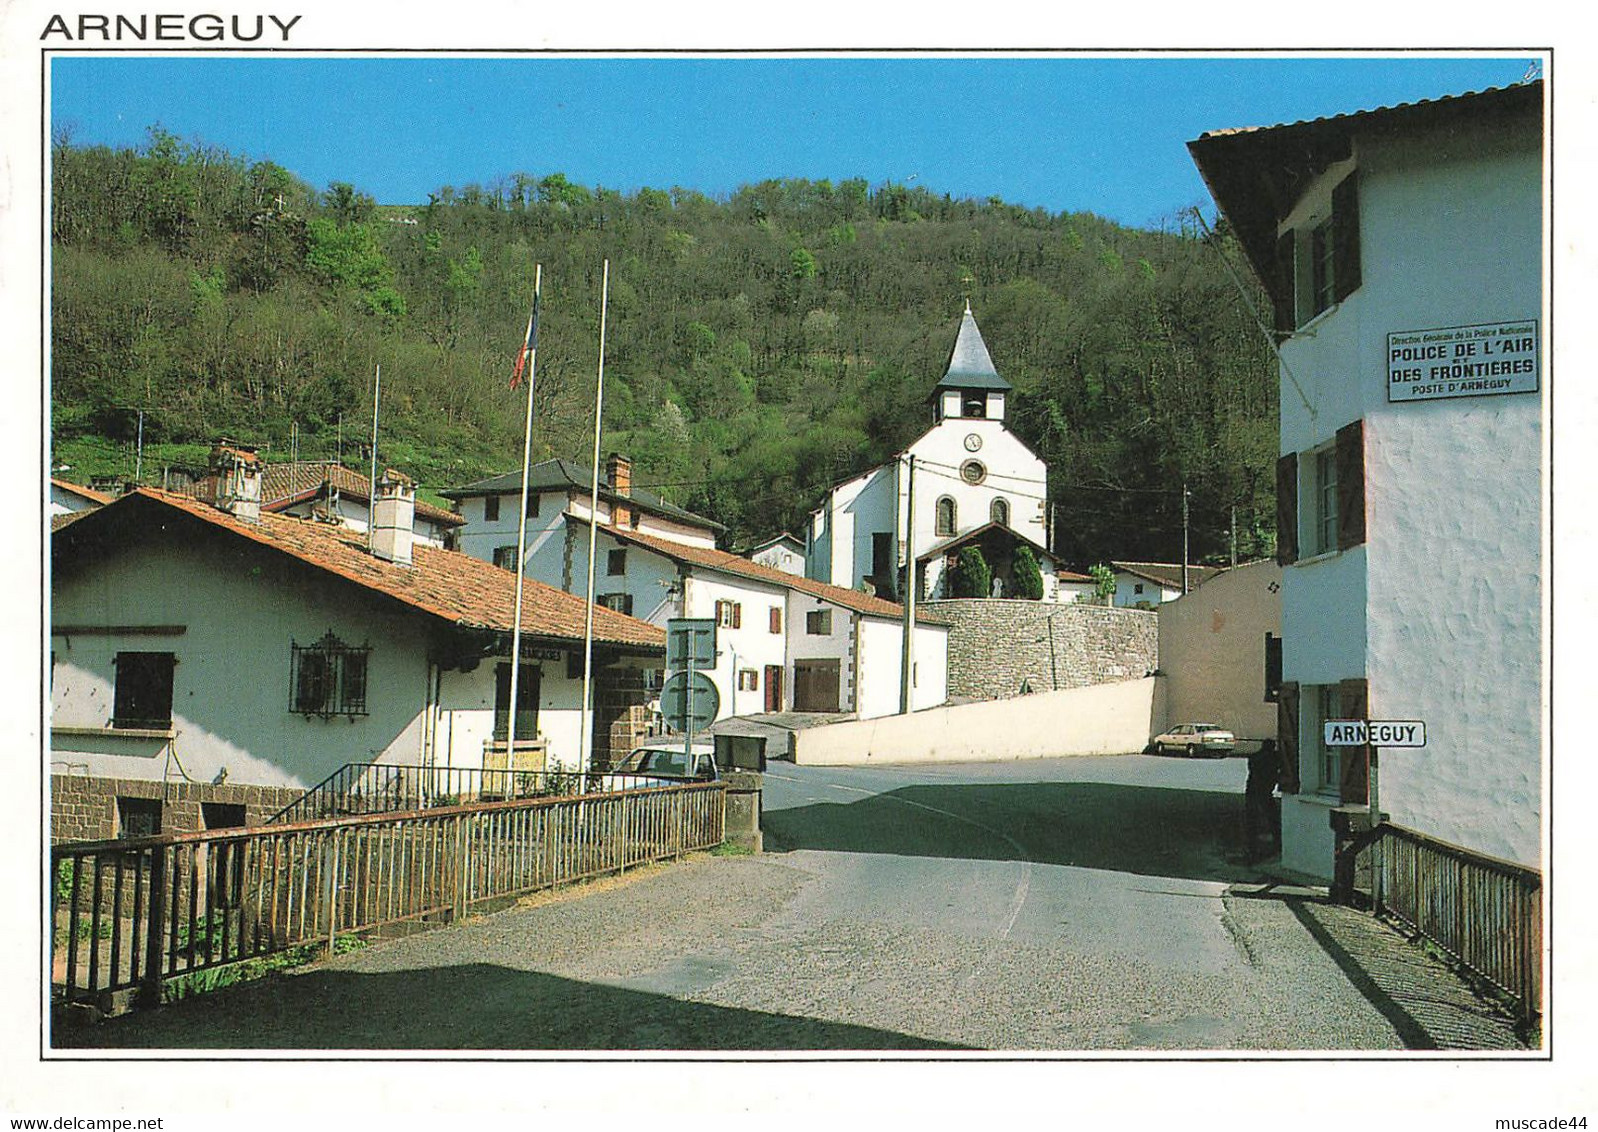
column 946, row 517
column 999, row 511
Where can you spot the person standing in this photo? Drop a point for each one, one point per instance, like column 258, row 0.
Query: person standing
column 1261, row 819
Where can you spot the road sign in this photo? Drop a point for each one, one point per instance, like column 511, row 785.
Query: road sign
column 689, row 701
column 690, row 643
column 1375, row 732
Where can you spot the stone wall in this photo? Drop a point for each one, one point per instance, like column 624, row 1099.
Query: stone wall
column 621, row 716
column 998, row 646
column 84, row 808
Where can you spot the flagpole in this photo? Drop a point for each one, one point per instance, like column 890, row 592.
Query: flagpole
column 371, row 487
column 530, row 355
column 586, row 740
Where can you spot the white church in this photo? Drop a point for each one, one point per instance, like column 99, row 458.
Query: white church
column 975, row 484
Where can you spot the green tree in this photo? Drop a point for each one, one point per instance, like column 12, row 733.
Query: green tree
column 1103, row 583
column 972, row 576
column 1028, row 576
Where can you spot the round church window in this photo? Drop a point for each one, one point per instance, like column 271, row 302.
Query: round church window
column 972, row 471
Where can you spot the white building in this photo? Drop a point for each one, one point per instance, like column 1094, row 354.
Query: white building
column 784, row 643
column 559, row 501
column 1152, row 584
column 328, row 491
column 69, row 500
column 784, row 552
column 200, row 642
column 970, row 470
column 1403, row 249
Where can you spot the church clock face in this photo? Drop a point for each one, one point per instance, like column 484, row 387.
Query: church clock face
column 972, row 442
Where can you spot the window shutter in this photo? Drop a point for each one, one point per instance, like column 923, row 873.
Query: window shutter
column 1351, row 485
column 1287, row 509
column 737, row 615
column 1282, row 287
column 1345, row 238
column 1287, row 734
column 776, row 619
column 1354, row 696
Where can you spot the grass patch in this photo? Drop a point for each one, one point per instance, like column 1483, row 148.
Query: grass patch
column 215, row 978
column 728, row 849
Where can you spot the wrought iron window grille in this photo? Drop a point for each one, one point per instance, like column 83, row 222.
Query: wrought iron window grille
column 328, row 678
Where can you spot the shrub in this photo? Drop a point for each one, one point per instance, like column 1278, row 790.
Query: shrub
column 1028, row 577
column 972, row 578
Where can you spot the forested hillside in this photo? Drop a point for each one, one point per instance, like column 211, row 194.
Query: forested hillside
column 758, row 348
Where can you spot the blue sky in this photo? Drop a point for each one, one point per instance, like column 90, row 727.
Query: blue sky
column 1078, row 133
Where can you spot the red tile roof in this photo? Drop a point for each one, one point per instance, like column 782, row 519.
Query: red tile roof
column 732, row 564
column 454, row 587
column 88, row 493
column 1169, row 574
column 284, row 485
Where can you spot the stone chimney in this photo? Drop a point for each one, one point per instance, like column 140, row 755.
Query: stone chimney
column 619, row 471
column 393, row 517
column 236, row 475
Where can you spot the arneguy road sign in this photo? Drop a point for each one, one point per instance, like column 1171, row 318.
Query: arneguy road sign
column 1376, row 732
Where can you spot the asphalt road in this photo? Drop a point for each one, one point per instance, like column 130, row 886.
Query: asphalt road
column 1068, row 905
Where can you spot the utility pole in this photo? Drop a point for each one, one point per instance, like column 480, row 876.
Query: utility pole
column 138, row 459
column 907, row 659
column 1184, row 536
column 1232, row 534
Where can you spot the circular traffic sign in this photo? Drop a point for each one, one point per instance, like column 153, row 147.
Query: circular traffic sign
column 689, row 705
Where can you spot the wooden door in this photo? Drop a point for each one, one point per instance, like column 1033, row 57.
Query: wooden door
column 815, row 685
column 773, row 687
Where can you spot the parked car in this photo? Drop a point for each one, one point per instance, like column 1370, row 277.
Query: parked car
column 667, row 761
column 1196, row 738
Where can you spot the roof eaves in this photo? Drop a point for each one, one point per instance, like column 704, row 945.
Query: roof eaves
column 642, row 635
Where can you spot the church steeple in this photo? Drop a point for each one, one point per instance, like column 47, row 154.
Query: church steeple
column 971, row 386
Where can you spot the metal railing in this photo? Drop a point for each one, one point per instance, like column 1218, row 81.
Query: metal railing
column 127, row 916
column 1483, row 912
column 380, row 788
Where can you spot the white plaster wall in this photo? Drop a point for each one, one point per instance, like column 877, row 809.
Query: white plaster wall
column 1455, row 502
column 578, row 504
column 1014, row 473
column 231, row 685
column 782, row 557
column 1450, row 575
column 1106, row 719
column 856, row 510
column 839, row 644
column 63, row 502
column 818, row 544
column 650, row 578
column 752, row 645
column 466, row 714
column 1127, row 592
column 480, row 537
column 881, row 660
column 355, row 515
column 1068, row 593
column 878, row 501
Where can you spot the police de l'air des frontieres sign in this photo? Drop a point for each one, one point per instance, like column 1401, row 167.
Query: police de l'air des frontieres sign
column 1462, row 361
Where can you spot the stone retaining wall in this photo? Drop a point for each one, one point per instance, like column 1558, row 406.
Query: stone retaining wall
column 998, row 645
column 84, row 808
